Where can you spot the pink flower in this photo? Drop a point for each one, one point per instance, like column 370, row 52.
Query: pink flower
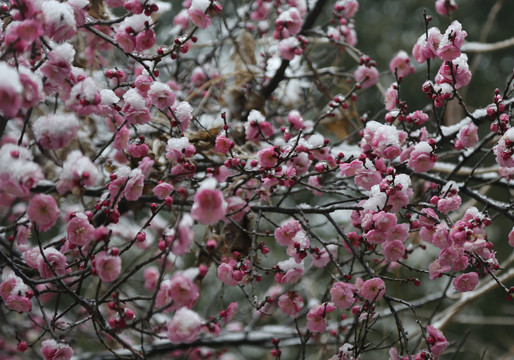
column 151, row 276
column 178, row 292
column 288, row 23
column 391, row 96
column 134, row 186
column 466, row 282
column 435, row 269
column 79, row 231
column 372, row 289
column 366, row 75
column 451, row 42
column 145, row 40
column 289, row 47
column 18, row 303
column 285, row 233
column 161, row 95
column 223, row 144
column 228, row 275
column 443, row 7
column 268, row 157
column 418, row 117
column 52, row 350
column 125, row 40
column 437, row 341
column 108, row 267
column 162, row 190
column 237, row 207
column 461, row 75
column 511, row 237
column 393, row 250
column 401, row 64
column 426, row 49
column 55, row 264
column 55, row 131
column 422, row 158
column 503, row 149
column 15, row 294
column 467, row 137
column 43, row 211
column 179, row 148
column 290, row 303
column 290, row 271
column 184, row 236
column 10, row 91
column 343, row 294
column 184, row 327
column 316, row 317
column 209, row 206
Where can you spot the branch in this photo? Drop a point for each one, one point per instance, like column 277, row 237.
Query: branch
column 476, row 47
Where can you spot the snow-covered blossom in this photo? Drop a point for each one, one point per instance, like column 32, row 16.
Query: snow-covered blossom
column 18, row 173
column 184, row 327
column 55, row 131
column 52, row 350
column 77, row 170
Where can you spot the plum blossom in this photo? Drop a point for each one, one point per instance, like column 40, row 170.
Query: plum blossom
column 343, row 294
column 467, row 137
column 287, row 231
column 184, row 327
column 504, row 149
column 461, row 74
column 135, row 108
column 209, row 205
column 372, row 289
column 444, row 7
column 58, row 66
column 257, row 125
column 107, row 266
column 79, row 231
column 179, row 148
column 366, row 75
column 391, row 96
column 288, row 23
column 178, row 292
column 422, row 158
column 451, row 42
column 316, row 317
column 55, row 131
column 290, row 271
column 400, row 64
column 58, row 20
column 393, row 250
column 427, row 48
column 268, row 157
column 437, row 341
column 290, row 303
column 229, row 273
column 43, row 211
column 16, row 294
column 53, row 263
column 52, row 350
column 161, row 95
column 466, row 282
column 18, row 173
column 77, row 171
column 183, row 237
column 197, row 13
